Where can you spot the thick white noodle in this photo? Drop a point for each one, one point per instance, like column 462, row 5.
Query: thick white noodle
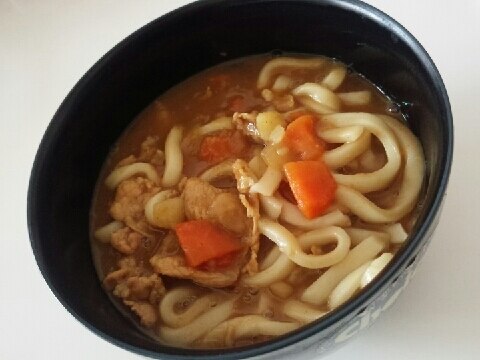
column 357, row 235
column 222, row 123
column 347, row 287
column 222, row 170
column 268, row 183
column 320, row 237
column 271, row 205
column 336, row 206
column 127, row 171
column 318, row 292
column 294, row 248
column 247, row 326
column 270, row 258
column 322, row 99
column 281, row 289
column 159, row 197
column 334, row 78
column 381, row 178
column 301, row 312
column 371, row 161
column 413, row 174
column 297, row 276
column 293, row 216
column 342, row 155
column 314, row 106
column 104, row 234
column 355, row 98
column 282, row 83
column 265, row 304
column 185, row 335
column 397, row 233
column 278, row 271
column 281, row 64
column 178, row 295
column 173, row 157
column 374, row 268
column 341, row 135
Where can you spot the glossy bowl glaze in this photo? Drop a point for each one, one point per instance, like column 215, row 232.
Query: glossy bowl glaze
column 167, row 51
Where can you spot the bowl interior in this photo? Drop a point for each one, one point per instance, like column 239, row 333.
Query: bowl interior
column 164, row 53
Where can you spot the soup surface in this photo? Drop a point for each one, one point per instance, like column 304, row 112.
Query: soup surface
column 252, row 199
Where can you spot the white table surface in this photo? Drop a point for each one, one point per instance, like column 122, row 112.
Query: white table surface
column 46, row 46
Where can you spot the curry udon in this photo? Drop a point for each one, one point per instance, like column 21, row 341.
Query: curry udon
column 254, row 198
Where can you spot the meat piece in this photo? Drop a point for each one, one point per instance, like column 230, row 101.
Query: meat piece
column 127, row 267
column 145, row 311
column 284, row 103
column 191, row 143
column 175, row 266
column 145, row 288
column 245, row 179
column 126, row 240
column 281, row 103
column 246, row 123
column 236, row 213
column 252, row 205
column 226, row 209
column 206, row 202
column 134, row 282
column 129, row 204
column 142, row 288
column 114, row 278
column 244, row 176
column 149, row 153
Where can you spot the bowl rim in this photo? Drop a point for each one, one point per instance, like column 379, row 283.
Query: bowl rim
column 402, row 258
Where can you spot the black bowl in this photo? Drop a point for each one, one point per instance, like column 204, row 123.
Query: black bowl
column 167, row 51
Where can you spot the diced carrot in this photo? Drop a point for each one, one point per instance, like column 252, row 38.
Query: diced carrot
column 286, row 192
column 202, row 241
column 221, row 146
column 312, row 185
column 301, row 139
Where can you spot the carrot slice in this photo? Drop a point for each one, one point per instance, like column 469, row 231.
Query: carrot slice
column 301, row 139
column 202, row 241
column 221, row 146
column 312, row 184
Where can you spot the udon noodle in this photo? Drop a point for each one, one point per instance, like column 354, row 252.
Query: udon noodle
column 253, row 199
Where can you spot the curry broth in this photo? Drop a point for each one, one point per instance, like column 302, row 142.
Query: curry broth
column 198, row 100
